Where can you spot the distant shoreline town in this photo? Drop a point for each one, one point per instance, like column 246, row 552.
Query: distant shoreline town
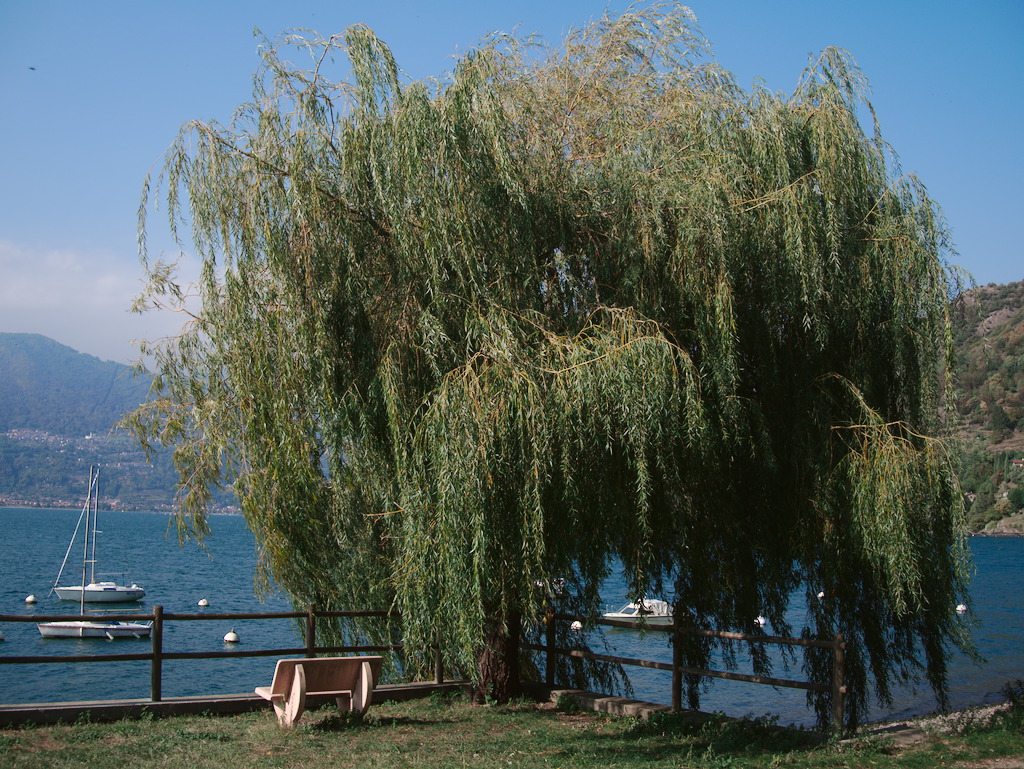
column 8, row 503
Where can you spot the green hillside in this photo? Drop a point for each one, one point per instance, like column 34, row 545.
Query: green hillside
column 990, row 349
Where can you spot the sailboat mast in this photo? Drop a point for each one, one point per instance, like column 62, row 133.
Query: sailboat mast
column 85, row 547
column 95, row 525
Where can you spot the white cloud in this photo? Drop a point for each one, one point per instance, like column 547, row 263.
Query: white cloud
column 78, row 298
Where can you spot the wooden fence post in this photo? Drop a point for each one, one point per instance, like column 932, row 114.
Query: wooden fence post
column 549, row 635
column 677, row 662
column 156, row 666
column 838, row 689
column 310, row 633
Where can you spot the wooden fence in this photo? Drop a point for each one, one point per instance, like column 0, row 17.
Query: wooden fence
column 837, row 644
column 158, row 654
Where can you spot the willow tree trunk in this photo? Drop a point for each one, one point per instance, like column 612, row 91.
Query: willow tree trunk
column 498, row 661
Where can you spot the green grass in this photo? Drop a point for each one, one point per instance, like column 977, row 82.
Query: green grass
column 452, row 733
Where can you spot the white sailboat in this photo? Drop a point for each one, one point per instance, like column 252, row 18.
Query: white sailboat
column 92, row 591
column 100, row 592
column 109, row 629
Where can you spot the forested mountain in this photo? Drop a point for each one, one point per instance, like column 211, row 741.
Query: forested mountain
column 45, row 385
column 58, row 408
column 990, row 348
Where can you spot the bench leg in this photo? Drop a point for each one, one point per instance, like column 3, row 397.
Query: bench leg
column 295, row 703
column 279, row 710
column 362, row 693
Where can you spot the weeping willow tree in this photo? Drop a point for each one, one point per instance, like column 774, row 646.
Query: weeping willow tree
column 571, row 306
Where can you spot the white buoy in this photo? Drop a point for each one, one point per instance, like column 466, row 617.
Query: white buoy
column 821, row 596
column 31, row 599
column 203, row 602
column 576, row 625
column 231, row 637
column 760, row 621
column 961, row 608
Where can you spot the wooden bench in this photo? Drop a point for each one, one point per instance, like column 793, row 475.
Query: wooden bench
column 350, row 680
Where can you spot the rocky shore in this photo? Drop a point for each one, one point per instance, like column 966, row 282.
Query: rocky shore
column 914, row 731
column 1011, row 526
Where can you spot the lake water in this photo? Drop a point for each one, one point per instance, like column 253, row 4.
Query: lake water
column 997, row 592
column 33, row 544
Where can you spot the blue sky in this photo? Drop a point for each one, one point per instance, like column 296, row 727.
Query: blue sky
column 94, row 92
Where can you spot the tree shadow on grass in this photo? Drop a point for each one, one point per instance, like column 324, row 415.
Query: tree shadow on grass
column 342, row 722
column 682, row 736
column 582, row 737
column 726, row 732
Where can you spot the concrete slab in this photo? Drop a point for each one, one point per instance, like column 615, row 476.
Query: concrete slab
column 603, row 703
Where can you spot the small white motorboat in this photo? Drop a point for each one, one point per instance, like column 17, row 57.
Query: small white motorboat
column 649, row 610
